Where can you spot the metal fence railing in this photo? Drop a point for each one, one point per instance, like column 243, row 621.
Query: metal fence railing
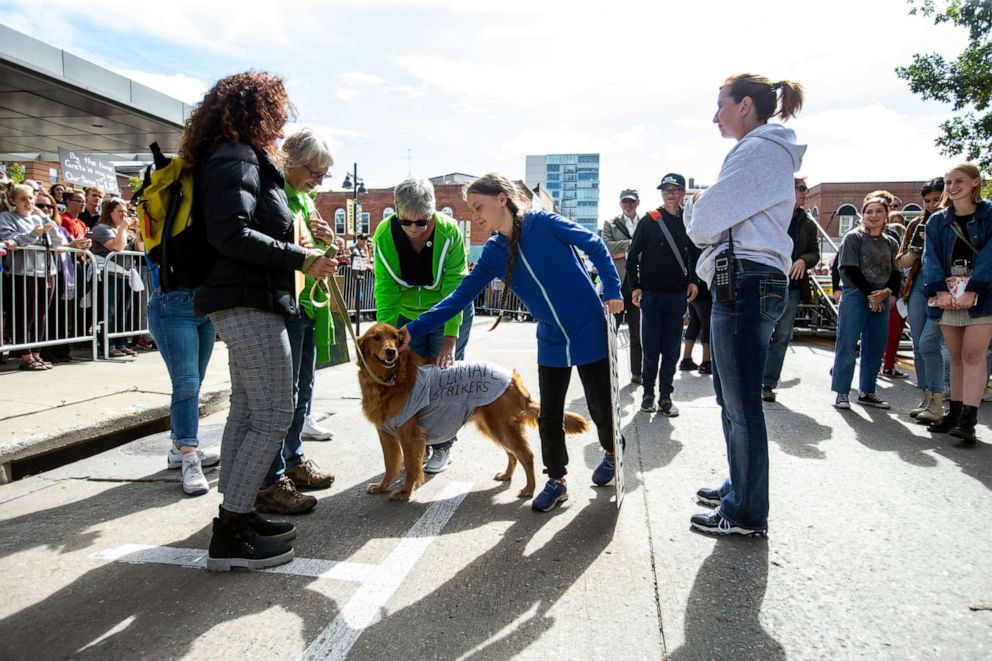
column 39, row 310
column 125, row 287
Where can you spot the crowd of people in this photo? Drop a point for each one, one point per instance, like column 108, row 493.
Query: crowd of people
column 734, row 259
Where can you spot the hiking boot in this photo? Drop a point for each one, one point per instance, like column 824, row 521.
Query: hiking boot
column 208, row 458
column 606, row 470
column 965, row 429
column 713, row 523
column 235, row 544
column 934, row 410
column 555, row 493
column 706, row 368
column 896, row 373
column 647, row 404
column 767, row 394
column 283, row 530
column 948, row 421
column 923, row 405
column 710, row 497
column 667, row 408
column 306, row 475
column 283, row 498
column 687, row 365
column 873, row 400
column 194, row 483
column 440, row 458
column 842, row 402
column 314, row 432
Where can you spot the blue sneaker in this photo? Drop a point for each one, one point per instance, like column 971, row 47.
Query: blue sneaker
column 555, row 493
column 606, row 470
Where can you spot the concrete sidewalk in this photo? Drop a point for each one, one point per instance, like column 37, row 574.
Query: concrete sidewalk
column 878, row 545
column 74, row 403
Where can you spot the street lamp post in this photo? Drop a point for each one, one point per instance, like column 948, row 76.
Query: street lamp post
column 357, row 185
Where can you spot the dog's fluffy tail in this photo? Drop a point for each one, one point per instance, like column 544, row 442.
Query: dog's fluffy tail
column 574, row 423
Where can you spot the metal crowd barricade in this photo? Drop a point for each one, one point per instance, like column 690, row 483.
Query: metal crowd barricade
column 124, row 291
column 360, row 284
column 497, row 300
column 66, row 319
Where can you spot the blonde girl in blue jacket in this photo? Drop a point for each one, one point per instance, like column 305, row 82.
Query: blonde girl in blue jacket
column 534, row 252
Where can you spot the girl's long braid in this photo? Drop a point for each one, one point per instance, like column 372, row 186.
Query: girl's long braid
column 511, row 259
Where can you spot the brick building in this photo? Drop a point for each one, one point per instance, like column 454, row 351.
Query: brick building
column 49, row 172
column 836, row 205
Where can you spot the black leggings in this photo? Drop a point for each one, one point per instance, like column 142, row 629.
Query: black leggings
column 699, row 320
column 553, row 384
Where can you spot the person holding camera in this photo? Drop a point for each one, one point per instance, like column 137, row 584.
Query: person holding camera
column 741, row 223
column 420, row 259
column 927, row 356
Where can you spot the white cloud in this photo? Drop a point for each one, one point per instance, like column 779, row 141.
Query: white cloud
column 179, row 86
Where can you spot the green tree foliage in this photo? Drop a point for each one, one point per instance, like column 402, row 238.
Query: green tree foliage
column 15, row 172
column 965, row 83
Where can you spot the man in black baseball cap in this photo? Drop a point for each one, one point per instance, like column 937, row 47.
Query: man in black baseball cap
column 661, row 266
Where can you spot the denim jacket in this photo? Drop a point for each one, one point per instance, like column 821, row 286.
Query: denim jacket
column 939, row 247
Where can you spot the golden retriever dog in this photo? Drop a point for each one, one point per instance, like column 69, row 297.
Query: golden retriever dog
column 503, row 420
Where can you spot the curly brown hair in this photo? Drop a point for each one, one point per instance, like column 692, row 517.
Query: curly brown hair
column 250, row 107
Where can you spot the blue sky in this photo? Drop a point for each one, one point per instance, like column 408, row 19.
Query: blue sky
column 474, row 87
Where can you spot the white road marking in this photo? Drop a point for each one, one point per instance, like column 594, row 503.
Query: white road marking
column 368, row 602
column 142, row 554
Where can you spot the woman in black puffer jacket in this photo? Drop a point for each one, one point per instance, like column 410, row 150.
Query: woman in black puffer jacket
column 247, row 292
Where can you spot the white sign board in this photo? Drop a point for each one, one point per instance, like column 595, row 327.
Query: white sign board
column 83, row 170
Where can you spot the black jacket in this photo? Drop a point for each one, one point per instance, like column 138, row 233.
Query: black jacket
column 239, row 196
column 805, row 245
column 651, row 262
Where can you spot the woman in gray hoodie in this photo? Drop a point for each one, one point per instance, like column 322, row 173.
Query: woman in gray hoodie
column 741, row 224
column 31, row 271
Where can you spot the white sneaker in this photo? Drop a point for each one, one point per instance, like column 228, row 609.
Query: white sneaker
column 987, row 395
column 440, row 458
column 314, row 432
column 194, row 482
column 208, row 458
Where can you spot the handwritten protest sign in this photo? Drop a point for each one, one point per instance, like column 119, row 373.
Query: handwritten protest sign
column 88, row 170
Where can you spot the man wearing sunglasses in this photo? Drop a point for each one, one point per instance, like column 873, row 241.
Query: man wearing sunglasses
column 420, row 259
column 805, row 255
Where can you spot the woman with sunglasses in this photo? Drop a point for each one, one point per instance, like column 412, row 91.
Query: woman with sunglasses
column 419, row 260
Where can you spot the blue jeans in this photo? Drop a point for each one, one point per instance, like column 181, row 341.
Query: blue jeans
column 186, row 342
column 304, row 352
column 661, row 337
column 740, row 331
column 926, row 334
column 856, row 321
column 429, row 346
column 781, row 337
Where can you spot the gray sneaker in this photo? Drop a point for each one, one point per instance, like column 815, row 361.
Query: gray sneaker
column 647, row 404
column 842, row 402
column 668, row 409
column 194, row 482
column 440, row 458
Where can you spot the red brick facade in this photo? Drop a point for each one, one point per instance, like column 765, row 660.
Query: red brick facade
column 826, row 200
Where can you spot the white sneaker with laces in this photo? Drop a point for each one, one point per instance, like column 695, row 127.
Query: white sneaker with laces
column 314, row 432
column 194, row 482
column 208, row 458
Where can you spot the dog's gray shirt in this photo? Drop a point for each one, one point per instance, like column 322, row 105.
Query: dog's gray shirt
column 445, row 398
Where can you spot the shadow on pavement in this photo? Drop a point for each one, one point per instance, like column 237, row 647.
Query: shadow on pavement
column 722, row 614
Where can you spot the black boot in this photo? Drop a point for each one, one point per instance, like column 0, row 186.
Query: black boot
column 235, row 544
column 948, row 421
column 283, row 530
column 965, row 429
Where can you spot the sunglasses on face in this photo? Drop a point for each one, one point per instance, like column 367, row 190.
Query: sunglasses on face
column 45, row 206
column 801, row 189
column 418, row 223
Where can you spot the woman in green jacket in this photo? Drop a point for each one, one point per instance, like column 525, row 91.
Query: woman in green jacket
column 419, row 260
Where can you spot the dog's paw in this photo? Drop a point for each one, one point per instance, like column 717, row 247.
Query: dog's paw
column 526, row 492
column 400, row 496
column 503, row 477
column 376, row 488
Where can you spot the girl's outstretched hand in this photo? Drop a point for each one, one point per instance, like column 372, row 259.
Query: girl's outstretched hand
column 613, row 306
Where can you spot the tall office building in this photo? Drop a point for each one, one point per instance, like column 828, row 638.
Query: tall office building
column 572, row 180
